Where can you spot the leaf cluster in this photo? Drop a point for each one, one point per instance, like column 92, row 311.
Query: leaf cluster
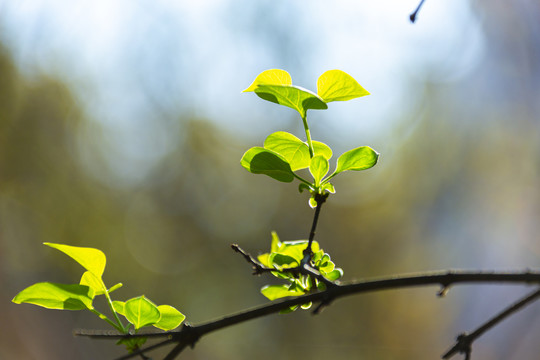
column 138, row 311
column 283, row 154
column 289, row 255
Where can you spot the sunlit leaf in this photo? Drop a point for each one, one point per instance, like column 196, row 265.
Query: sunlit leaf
column 329, row 188
column 334, row 274
column 141, row 312
column 258, row 160
column 337, row 85
column 294, row 150
column 57, row 296
column 91, row 259
column 273, row 292
column 271, row 77
column 318, row 168
column 170, row 318
column 321, row 148
column 312, row 202
column 361, row 158
column 292, row 96
column 276, row 86
column 91, row 280
column 119, row 307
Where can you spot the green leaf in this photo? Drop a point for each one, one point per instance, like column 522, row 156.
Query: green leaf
column 94, row 282
column 312, row 202
column 337, row 85
column 132, row 344
column 318, row 168
column 91, row 259
column 57, row 296
column 292, row 96
column 334, row 274
column 170, row 318
column 258, row 160
column 361, row 158
column 276, row 86
column 328, row 187
column 304, row 186
column 294, row 150
column 141, row 312
column 273, row 292
column 321, row 148
column 270, row 77
column 119, row 307
column 280, row 261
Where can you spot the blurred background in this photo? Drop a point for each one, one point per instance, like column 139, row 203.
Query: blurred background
column 122, row 124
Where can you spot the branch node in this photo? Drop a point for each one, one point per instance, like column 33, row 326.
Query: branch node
column 443, row 291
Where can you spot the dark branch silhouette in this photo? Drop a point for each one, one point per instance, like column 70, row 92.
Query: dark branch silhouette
column 188, row 335
column 464, row 341
column 414, row 14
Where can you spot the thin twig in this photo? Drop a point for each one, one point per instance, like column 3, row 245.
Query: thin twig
column 415, row 12
column 188, row 335
column 319, row 199
column 464, row 341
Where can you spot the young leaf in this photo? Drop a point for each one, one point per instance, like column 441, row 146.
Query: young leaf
column 361, row 158
column 273, row 292
column 57, row 296
column 294, row 150
column 270, row 77
column 337, row 85
column 170, row 318
column 292, row 96
column 276, row 86
column 91, row 259
column 119, row 307
column 334, row 274
column 321, row 148
column 329, row 188
column 262, row 161
column 141, row 312
column 92, row 281
column 318, row 168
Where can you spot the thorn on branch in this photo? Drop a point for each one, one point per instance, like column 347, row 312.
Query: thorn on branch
column 463, row 346
column 443, row 291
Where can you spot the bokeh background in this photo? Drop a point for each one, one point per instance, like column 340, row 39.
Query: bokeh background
column 122, row 124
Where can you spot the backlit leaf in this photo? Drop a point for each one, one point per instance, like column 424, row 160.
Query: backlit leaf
column 91, row 280
column 361, row 158
column 294, row 150
column 141, row 312
column 91, row 259
column 318, row 168
column 258, row 160
column 337, row 85
column 271, row 77
column 57, row 296
column 170, row 318
column 273, row 292
column 292, row 96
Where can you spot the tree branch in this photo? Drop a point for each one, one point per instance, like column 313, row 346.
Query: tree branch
column 464, row 341
column 188, row 335
column 415, row 12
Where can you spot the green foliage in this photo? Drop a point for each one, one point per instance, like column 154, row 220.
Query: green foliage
column 289, row 255
column 284, row 154
column 138, row 311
